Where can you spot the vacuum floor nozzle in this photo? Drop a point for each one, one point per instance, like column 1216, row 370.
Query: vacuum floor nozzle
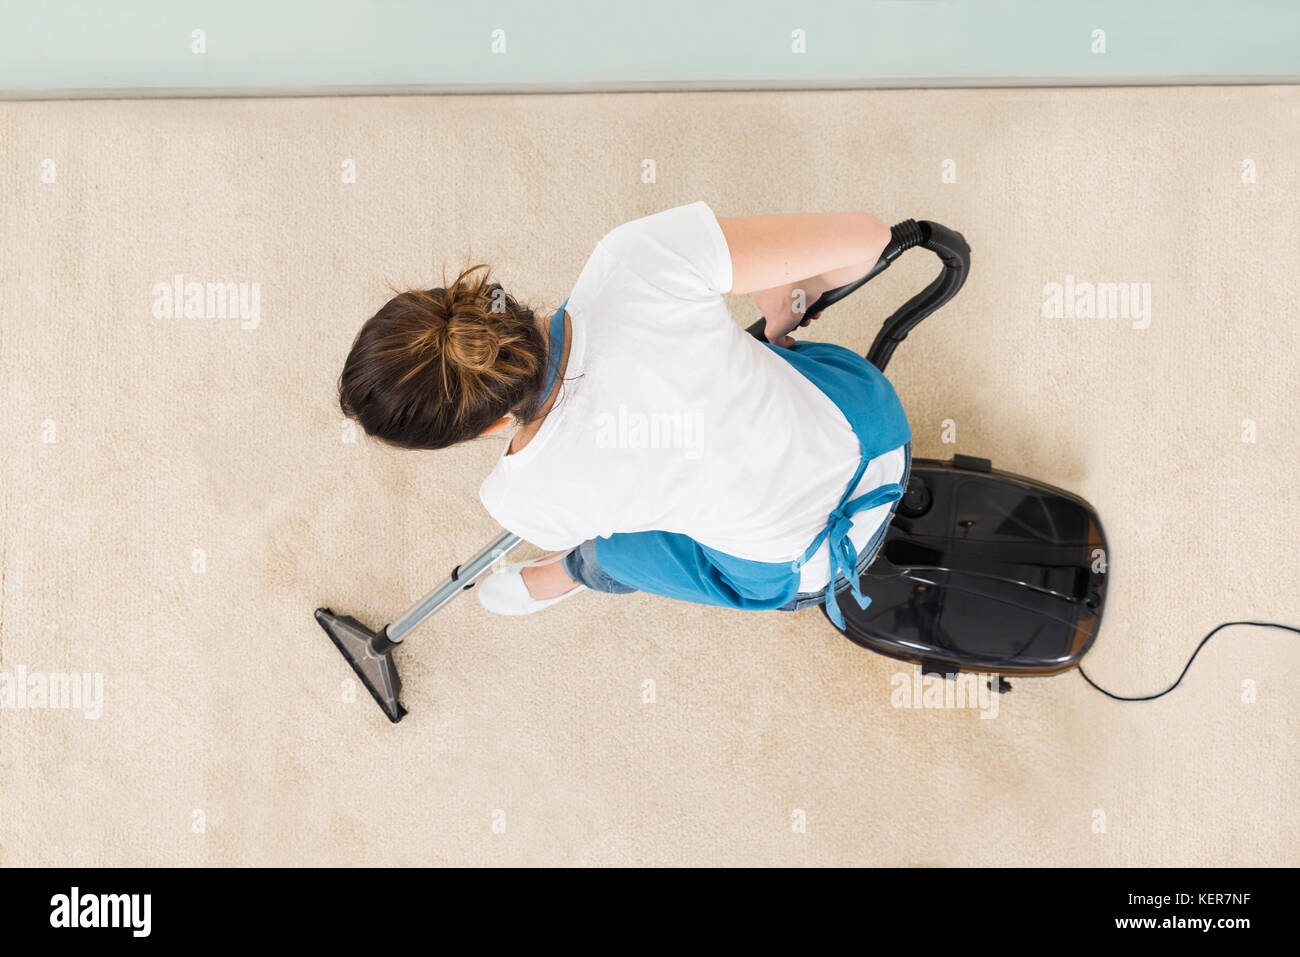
column 370, row 654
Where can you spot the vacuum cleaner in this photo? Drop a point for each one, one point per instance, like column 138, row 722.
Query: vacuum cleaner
column 981, row 570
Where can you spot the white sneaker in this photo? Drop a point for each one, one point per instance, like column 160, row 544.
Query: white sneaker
column 504, row 592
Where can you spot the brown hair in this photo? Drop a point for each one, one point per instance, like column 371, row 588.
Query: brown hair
column 436, row 367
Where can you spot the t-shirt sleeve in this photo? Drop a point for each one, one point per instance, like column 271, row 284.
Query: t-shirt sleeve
column 680, row 251
column 543, row 527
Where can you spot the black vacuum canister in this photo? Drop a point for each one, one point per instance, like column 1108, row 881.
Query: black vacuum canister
column 984, row 571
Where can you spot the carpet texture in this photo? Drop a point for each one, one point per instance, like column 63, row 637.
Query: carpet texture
column 181, row 491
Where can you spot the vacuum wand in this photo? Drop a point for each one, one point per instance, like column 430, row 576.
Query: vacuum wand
column 462, row 577
column 370, row 653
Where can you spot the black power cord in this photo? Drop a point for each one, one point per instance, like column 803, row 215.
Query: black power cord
column 1149, row 697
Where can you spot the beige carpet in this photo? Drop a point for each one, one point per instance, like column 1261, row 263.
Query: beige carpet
column 180, row 494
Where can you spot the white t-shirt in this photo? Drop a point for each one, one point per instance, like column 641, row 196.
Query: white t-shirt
column 672, row 418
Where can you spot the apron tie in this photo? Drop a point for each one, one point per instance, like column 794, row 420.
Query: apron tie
column 843, row 553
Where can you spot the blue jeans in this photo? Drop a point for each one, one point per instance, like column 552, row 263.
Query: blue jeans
column 581, row 565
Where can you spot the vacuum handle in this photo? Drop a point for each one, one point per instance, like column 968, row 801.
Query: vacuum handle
column 953, row 252
column 902, row 237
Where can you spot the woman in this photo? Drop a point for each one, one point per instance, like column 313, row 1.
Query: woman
column 659, row 447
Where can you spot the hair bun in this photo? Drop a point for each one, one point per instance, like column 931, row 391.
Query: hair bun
column 472, row 344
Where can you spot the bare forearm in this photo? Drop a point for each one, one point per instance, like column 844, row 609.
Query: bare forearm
column 813, row 248
column 842, row 277
column 799, row 296
column 814, row 286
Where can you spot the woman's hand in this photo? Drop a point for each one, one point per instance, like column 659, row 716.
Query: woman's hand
column 785, row 308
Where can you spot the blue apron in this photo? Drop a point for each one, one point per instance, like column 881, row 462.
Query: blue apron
column 677, row 566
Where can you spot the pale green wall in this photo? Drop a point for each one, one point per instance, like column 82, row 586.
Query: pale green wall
column 84, row 47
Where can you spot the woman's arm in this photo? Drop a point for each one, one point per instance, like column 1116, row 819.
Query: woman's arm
column 793, row 253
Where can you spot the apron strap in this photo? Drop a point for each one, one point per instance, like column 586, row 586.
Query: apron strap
column 555, row 345
column 797, row 564
column 843, row 553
